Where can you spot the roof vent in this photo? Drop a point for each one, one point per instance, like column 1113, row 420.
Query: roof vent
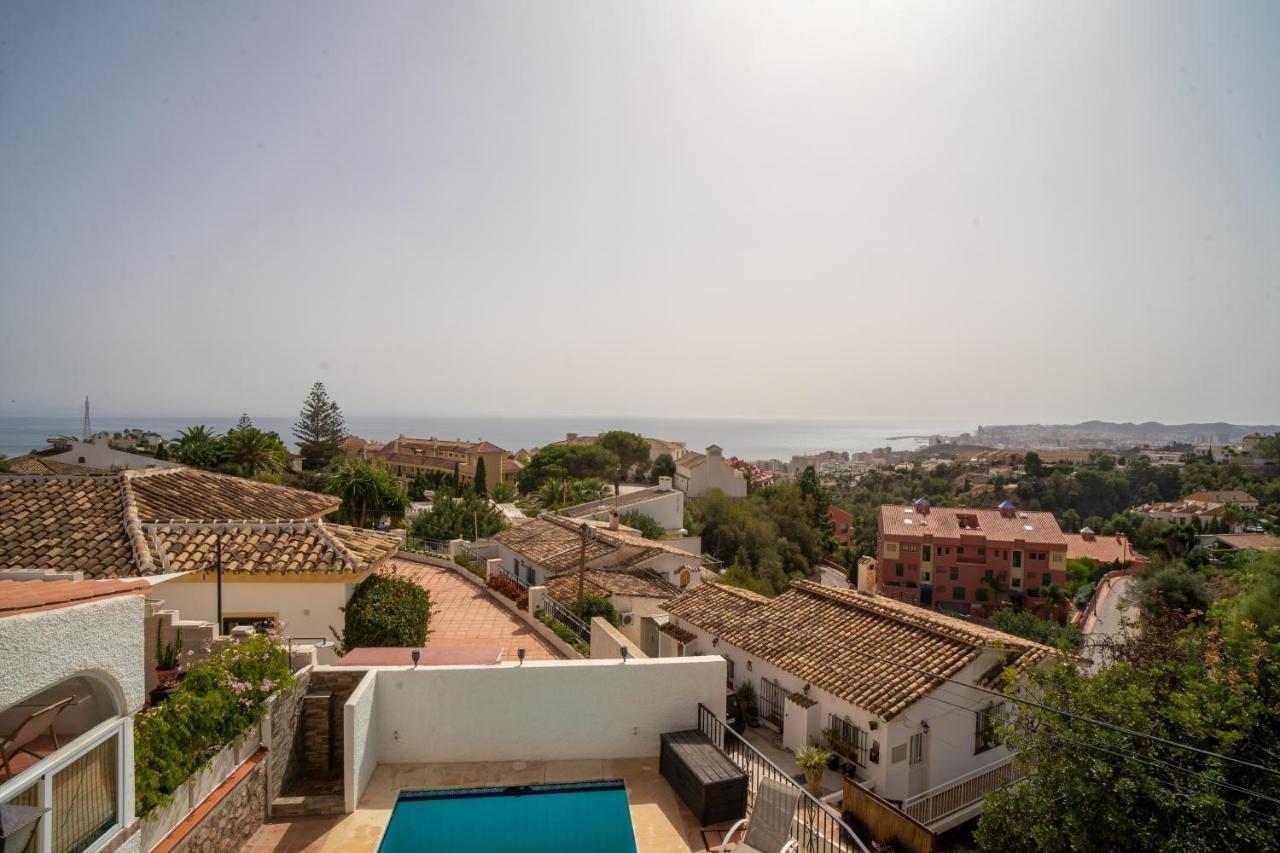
column 1086, row 533
column 1006, row 508
column 921, row 505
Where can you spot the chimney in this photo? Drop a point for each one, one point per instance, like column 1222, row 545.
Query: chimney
column 713, row 451
column 866, row 575
column 613, row 519
column 664, row 484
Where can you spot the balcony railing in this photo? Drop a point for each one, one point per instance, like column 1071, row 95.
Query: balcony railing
column 430, row 547
column 956, row 794
column 816, row 827
column 567, row 618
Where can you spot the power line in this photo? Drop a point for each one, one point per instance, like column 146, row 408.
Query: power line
column 1038, row 705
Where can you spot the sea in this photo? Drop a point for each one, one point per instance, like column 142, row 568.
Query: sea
column 748, row 438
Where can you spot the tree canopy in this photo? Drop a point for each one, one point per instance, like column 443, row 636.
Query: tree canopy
column 630, row 448
column 458, row 515
column 1214, row 685
column 368, row 491
column 568, row 461
column 320, row 429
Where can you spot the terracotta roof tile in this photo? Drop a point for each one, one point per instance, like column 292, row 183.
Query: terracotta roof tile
column 675, row 632
column 622, row 502
column 36, row 465
column 815, row 633
column 943, row 522
column 19, row 596
column 555, row 544
column 1104, row 549
column 634, row 583
column 133, row 523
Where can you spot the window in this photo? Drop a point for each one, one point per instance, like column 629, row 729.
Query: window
column 897, row 570
column 985, row 735
column 1046, row 579
column 960, row 550
column 910, row 549
column 988, row 574
column 1016, row 582
column 729, row 669
column 917, row 750
column 957, row 593
column 1017, row 559
column 955, row 573
column 981, row 594
column 847, row 739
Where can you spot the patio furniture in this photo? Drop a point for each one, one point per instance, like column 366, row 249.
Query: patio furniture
column 769, row 827
column 709, row 783
column 36, row 724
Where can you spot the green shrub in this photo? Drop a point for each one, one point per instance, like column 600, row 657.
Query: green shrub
column 385, row 610
column 564, row 632
column 470, row 565
column 595, row 605
column 213, row 706
column 649, row 528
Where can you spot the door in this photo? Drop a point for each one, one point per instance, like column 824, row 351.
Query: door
column 771, row 699
column 649, row 636
column 917, row 763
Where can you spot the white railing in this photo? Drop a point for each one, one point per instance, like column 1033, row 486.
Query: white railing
column 960, row 793
column 39, row 785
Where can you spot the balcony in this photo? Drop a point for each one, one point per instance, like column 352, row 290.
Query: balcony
column 953, row 802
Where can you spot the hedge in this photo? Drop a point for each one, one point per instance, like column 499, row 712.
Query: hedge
column 385, row 610
column 216, row 702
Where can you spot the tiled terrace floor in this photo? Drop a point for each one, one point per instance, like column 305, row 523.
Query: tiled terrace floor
column 462, row 615
column 661, row 822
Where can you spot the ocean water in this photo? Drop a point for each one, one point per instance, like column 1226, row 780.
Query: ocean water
column 749, row 438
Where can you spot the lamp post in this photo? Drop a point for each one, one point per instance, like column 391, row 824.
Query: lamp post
column 217, row 548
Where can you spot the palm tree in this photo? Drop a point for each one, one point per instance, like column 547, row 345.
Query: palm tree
column 199, row 447
column 366, row 487
column 251, row 451
column 998, row 586
column 1056, row 597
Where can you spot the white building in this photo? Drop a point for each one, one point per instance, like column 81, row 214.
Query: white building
column 68, row 698
column 99, row 455
column 662, row 503
column 822, row 660
column 699, row 473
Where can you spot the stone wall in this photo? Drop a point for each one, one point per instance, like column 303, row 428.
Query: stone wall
column 233, row 820
column 322, row 721
column 286, row 711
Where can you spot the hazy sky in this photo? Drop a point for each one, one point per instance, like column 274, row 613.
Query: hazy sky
column 1020, row 211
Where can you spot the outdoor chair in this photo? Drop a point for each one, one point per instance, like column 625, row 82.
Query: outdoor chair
column 769, row 824
column 35, row 725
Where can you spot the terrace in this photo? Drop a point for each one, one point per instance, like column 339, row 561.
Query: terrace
column 410, row 729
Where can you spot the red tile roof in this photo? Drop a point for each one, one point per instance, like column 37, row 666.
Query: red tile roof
column 25, row 596
column 943, row 522
column 1104, row 549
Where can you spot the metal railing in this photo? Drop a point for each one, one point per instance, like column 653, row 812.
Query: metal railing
column 709, row 562
column 566, row 617
column 816, row 827
column 430, row 547
column 514, row 576
column 471, row 554
column 960, row 793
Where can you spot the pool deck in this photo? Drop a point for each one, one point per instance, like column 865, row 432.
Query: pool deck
column 662, row 824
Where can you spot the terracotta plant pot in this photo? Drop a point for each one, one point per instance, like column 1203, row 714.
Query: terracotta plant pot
column 167, row 677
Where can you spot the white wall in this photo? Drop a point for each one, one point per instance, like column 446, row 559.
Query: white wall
column 38, row 650
column 950, row 738
column 107, row 458
column 541, row 710
column 359, row 740
column 307, row 608
column 607, row 642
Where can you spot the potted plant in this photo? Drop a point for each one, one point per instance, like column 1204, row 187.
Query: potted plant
column 833, row 763
column 747, row 699
column 167, row 658
column 813, row 760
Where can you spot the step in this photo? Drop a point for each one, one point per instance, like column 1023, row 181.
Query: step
column 307, row 805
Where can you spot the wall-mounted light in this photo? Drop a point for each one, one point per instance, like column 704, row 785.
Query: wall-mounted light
column 416, row 654
column 748, row 666
column 873, row 725
column 520, row 654
column 924, row 725
column 806, row 690
column 715, row 641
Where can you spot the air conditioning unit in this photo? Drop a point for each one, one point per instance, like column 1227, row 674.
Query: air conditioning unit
column 627, row 618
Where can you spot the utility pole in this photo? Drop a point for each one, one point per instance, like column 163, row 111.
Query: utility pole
column 586, row 530
column 218, row 557
column 86, row 419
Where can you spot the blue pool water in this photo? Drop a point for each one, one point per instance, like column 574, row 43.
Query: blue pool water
column 585, row 816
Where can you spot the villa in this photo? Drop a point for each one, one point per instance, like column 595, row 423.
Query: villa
column 699, row 473
column 281, row 563
column 662, row 503
column 901, row 692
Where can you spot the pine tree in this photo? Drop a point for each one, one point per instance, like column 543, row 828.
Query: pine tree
column 480, row 485
column 320, row 429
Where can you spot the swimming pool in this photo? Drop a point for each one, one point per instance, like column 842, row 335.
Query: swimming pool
column 587, row 816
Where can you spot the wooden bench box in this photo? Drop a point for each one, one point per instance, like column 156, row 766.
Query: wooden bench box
column 711, row 785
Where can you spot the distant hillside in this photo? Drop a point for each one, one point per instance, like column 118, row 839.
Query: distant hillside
column 1148, row 430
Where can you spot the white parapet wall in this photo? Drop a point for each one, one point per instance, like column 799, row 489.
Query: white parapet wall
column 536, row 711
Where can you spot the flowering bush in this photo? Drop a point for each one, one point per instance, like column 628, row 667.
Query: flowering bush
column 385, row 611
column 508, row 588
column 215, row 703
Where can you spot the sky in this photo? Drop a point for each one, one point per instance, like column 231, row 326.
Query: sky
column 1022, row 211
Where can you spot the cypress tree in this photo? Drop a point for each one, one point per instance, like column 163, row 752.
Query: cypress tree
column 480, row 485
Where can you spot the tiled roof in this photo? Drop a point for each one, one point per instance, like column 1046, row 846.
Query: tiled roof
column 1253, row 541
column 23, row 596
column 634, row 583
column 289, row 547
column 944, row 522
column 691, row 460
column 1222, row 497
column 675, row 632
column 1104, row 549
column 622, row 502
column 555, row 543
column 815, row 633
column 36, row 465
column 132, row 523
column 185, row 493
